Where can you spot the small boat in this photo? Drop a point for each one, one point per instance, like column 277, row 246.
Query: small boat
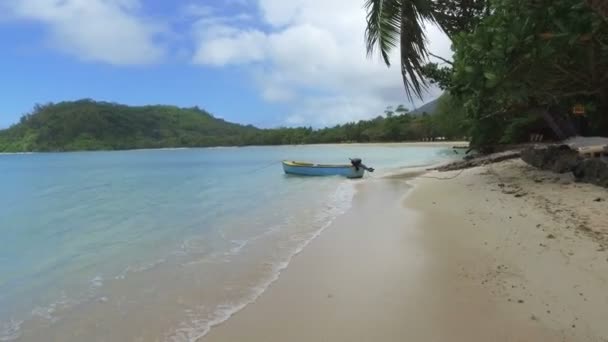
column 353, row 170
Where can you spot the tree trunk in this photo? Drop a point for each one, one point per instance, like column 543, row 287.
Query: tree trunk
column 562, row 128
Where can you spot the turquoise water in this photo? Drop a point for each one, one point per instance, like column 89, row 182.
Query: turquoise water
column 193, row 233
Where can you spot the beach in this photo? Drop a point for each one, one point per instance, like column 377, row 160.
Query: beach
column 501, row 252
column 163, row 245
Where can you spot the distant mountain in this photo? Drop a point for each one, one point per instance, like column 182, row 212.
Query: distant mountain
column 91, row 125
column 428, row 108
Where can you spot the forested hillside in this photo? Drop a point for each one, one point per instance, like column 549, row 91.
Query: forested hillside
column 91, row 125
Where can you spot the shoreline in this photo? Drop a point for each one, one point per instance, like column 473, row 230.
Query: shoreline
column 179, row 302
column 297, row 305
column 463, row 259
column 396, row 144
column 83, row 318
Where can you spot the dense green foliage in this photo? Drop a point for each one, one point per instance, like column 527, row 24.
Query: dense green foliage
column 450, row 117
column 520, row 66
column 533, row 58
column 90, row 125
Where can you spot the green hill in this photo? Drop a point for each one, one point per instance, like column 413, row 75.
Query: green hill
column 90, row 125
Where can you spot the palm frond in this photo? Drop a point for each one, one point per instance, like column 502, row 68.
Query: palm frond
column 383, row 25
column 400, row 22
column 414, row 45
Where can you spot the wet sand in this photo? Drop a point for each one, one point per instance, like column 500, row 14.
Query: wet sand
column 498, row 253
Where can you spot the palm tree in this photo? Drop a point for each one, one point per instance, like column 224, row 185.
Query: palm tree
column 392, row 23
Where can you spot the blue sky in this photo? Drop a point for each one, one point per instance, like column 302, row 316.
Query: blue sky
column 261, row 62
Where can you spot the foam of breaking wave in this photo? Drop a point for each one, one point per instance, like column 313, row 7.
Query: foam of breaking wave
column 52, row 311
column 338, row 203
column 96, row 282
column 14, row 153
column 10, row 330
column 238, row 245
column 140, row 268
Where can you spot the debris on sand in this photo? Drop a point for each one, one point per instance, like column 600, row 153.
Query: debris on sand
column 481, row 160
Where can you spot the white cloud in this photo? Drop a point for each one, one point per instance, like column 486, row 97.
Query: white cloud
column 105, row 31
column 315, row 49
column 275, row 93
column 231, row 47
column 296, row 120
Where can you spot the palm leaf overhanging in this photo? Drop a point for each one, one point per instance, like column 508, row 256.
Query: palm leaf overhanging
column 392, row 23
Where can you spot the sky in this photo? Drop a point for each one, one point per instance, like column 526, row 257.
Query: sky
column 263, row 62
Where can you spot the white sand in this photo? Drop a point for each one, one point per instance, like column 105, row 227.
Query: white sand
column 491, row 255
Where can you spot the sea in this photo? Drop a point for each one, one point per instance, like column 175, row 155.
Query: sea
column 161, row 245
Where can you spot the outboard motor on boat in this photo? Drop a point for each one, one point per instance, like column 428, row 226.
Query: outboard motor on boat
column 356, row 162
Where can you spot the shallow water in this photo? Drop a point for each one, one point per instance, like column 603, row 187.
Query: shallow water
column 160, row 245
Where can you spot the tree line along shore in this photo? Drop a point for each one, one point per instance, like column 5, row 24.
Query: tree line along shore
column 92, row 125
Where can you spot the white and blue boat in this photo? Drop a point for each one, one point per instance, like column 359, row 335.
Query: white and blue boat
column 353, row 170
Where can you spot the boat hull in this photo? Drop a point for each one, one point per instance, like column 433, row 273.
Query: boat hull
column 308, row 169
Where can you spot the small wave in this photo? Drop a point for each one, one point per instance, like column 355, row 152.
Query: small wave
column 238, row 246
column 96, row 282
column 206, row 259
column 49, row 312
column 11, row 330
column 339, row 202
column 15, row 154
column 46, row 312
column 140, row 268
column 196, row 244
column 52, row 312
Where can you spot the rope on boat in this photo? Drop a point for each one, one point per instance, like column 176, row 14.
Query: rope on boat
column 262, row 167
